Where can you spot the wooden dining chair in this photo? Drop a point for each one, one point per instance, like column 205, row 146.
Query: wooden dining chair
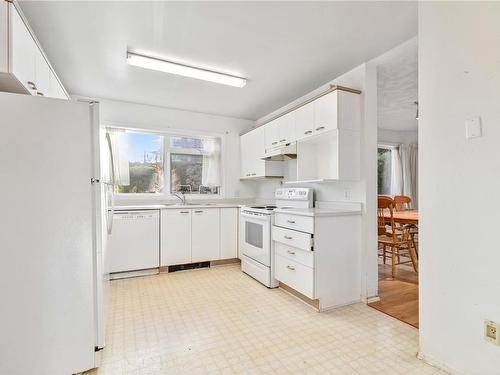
column 402, row 203
column 396, row 238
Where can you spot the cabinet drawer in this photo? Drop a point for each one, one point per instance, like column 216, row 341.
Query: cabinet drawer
column 295, row 275
column 302, row 223
column 301, row 256
column 292, row 238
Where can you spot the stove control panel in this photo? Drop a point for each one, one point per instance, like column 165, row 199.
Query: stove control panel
column 294, row 194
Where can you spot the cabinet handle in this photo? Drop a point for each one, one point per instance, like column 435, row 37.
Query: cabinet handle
column 254, row 174
column 291, row 221
column 320, row 128
column 198, row 212
column 291, row 268
column 282, row 140
column 308, row 132
column 32, row 84
column 275, row 143
column 288, row 238
column 40, row 93
column 291, row 252
column 184, row 212
column 248, row 174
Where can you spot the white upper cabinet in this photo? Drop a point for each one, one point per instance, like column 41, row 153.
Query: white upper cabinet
column 252, row 148
column 304, row 121
column 287, row 129
column 28, row 71
column 325, row 112
column 272, row 134
column 23, row 52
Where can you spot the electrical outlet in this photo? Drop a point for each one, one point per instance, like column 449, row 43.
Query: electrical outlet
column 347, row 194
column 492, row 332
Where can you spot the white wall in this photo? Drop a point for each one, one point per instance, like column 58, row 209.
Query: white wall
column 164, row 119
column 459, row 76
column 363, row 78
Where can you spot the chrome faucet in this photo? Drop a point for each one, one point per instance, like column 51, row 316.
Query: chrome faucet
column 181, row 196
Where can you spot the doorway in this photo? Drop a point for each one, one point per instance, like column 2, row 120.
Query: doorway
column 397, row 177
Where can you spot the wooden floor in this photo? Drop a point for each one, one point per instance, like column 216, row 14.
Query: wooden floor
column 399, row 296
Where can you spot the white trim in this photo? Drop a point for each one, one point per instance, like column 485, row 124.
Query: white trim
column 388, row 145
column 437, row 364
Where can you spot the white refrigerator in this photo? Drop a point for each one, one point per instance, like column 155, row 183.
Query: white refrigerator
column 53, row 234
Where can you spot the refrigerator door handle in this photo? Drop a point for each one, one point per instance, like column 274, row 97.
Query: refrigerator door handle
column 111, row 212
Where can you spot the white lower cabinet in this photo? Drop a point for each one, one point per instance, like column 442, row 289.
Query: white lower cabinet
column 175, row 236
column 205, row 238
column 295, row 275
column 190, row 235
column 229, row 233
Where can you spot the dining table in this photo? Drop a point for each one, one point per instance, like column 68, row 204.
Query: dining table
column 404, row 217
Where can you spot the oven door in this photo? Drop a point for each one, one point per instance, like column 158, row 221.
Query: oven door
column 255, row 238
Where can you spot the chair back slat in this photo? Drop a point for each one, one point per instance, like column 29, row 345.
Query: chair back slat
column 385, row 205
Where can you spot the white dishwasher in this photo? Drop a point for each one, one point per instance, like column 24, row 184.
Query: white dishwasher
column 134, row 244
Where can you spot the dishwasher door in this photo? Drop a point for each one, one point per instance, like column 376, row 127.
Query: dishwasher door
column 135, row 241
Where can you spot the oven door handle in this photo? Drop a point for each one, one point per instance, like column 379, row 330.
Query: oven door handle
column 260, row 218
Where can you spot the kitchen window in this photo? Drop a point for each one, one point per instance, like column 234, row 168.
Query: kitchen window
column 159, row 163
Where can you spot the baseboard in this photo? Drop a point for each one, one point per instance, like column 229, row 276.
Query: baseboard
column 138, row 273
column 372, row 299
column 438, row 364
column 222, row 262
column 311, row 302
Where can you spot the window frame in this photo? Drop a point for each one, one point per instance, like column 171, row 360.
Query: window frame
column 166, row 194
column 386, row 146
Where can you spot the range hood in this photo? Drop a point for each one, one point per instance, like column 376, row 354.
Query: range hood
column 286, row 152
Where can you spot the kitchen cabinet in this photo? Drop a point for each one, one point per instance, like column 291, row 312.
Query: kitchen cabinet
column 318, row 253
column 229, row 233
column 304, row 121
column 252, row 150
column 175, row 236
column 24, row 68
column 205, row 235
column 279, row 132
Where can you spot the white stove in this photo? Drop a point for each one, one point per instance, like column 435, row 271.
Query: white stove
column 255, row 233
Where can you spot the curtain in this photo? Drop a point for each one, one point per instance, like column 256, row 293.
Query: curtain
column 211, row 171
column 413, row 163
column 396, row 172
column 404, row 178
column 120, row 155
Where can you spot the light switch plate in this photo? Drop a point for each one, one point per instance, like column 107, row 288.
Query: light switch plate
column 473, row 127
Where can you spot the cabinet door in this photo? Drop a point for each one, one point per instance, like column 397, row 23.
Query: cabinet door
column 175, row 236
column 245, row 155
column 325, row 112
column 228, row 233
column 56, row 90
column 272, row 134
column 42, row 75
column 287, row 129
column 304, row 121
column 258, row 166
column 22, row 52
column 205, row 234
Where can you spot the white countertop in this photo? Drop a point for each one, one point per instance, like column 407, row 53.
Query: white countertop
column 318, row 211
column 173, row 206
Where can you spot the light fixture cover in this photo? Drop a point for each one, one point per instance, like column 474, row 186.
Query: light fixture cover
column 183, row 70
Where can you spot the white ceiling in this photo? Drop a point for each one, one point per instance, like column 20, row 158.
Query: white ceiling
column 285, row 49
column 397, row 80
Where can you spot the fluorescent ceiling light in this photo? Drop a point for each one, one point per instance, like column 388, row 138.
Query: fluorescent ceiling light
column 183, row 70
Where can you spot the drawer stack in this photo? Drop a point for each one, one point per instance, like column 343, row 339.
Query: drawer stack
column 294, row 256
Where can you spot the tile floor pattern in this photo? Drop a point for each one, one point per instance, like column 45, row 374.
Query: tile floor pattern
column 220, row 321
